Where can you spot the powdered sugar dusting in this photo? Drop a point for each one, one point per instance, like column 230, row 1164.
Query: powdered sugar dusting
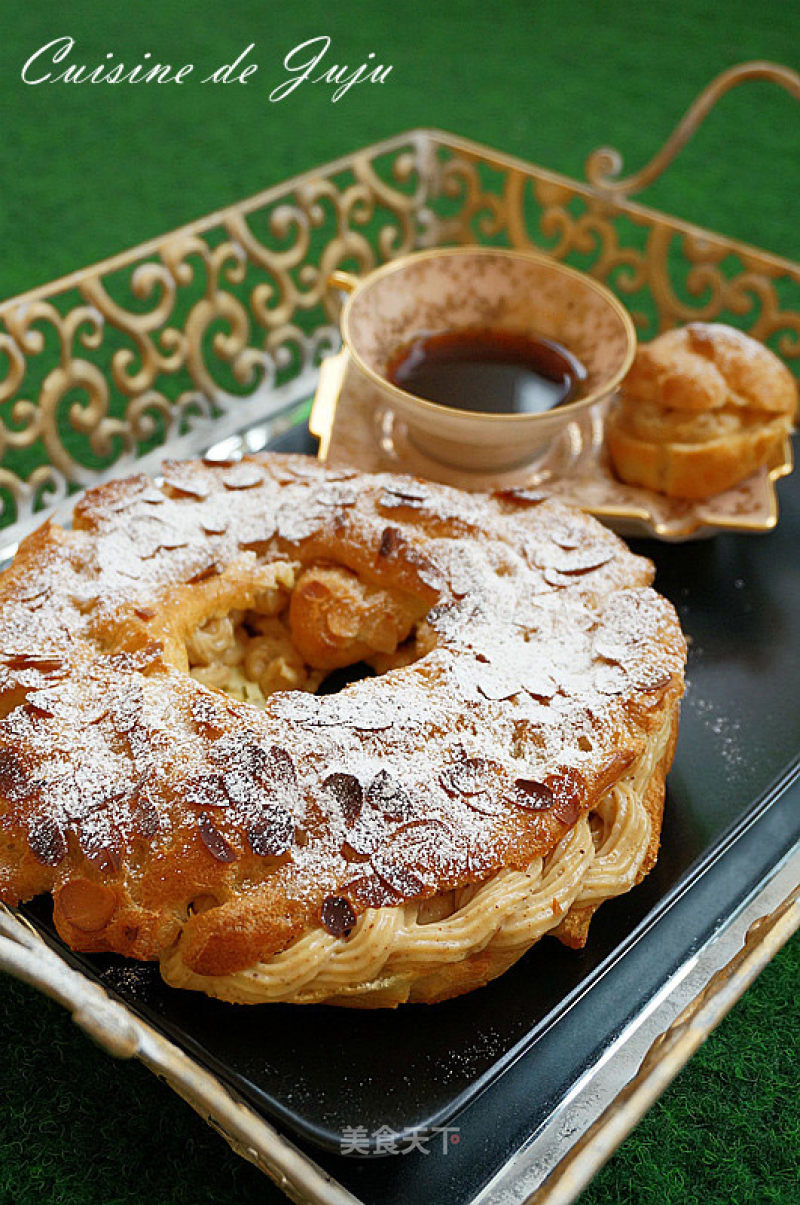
column 549, row 652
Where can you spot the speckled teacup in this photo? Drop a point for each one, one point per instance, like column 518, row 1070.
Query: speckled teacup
column 489, row 288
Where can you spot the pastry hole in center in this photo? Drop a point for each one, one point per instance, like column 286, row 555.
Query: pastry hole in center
column 329, row 631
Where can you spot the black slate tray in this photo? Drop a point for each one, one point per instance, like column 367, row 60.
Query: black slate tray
column 730, row 816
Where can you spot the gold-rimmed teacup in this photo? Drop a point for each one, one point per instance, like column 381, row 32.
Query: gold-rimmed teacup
column 466, row 288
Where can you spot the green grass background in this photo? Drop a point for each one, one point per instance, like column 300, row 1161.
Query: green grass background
column 85, row 172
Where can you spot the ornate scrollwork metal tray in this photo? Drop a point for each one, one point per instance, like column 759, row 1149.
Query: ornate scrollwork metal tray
column 211, row 337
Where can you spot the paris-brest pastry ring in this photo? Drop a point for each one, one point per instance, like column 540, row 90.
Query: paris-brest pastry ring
column 166, row 773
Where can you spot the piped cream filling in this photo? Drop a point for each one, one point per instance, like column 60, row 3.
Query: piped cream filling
column 506, row 914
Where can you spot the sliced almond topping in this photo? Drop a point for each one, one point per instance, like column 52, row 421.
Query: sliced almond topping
column 337, row 915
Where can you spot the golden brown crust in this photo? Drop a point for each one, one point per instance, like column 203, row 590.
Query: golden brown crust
column 154, row 808
column 702, row 407
column 692, row 471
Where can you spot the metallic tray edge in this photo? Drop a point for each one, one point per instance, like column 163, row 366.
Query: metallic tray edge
column 614, row 1094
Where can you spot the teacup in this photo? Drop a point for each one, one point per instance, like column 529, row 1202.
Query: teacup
column 486, row 288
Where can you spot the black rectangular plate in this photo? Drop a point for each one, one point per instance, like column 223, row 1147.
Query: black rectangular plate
column 321, row 1071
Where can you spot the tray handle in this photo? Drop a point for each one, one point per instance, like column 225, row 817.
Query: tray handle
column 605, row 164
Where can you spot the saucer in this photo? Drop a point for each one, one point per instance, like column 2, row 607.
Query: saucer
column 575, row 468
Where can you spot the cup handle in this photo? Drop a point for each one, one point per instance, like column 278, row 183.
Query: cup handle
column 345, row 281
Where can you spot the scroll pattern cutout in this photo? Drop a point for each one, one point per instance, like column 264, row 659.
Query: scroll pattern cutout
column 682, row 274
column 222, row 323
column 217, row 327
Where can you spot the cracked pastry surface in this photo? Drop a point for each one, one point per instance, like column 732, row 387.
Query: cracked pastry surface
column 702, row 407
column 168, row 774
